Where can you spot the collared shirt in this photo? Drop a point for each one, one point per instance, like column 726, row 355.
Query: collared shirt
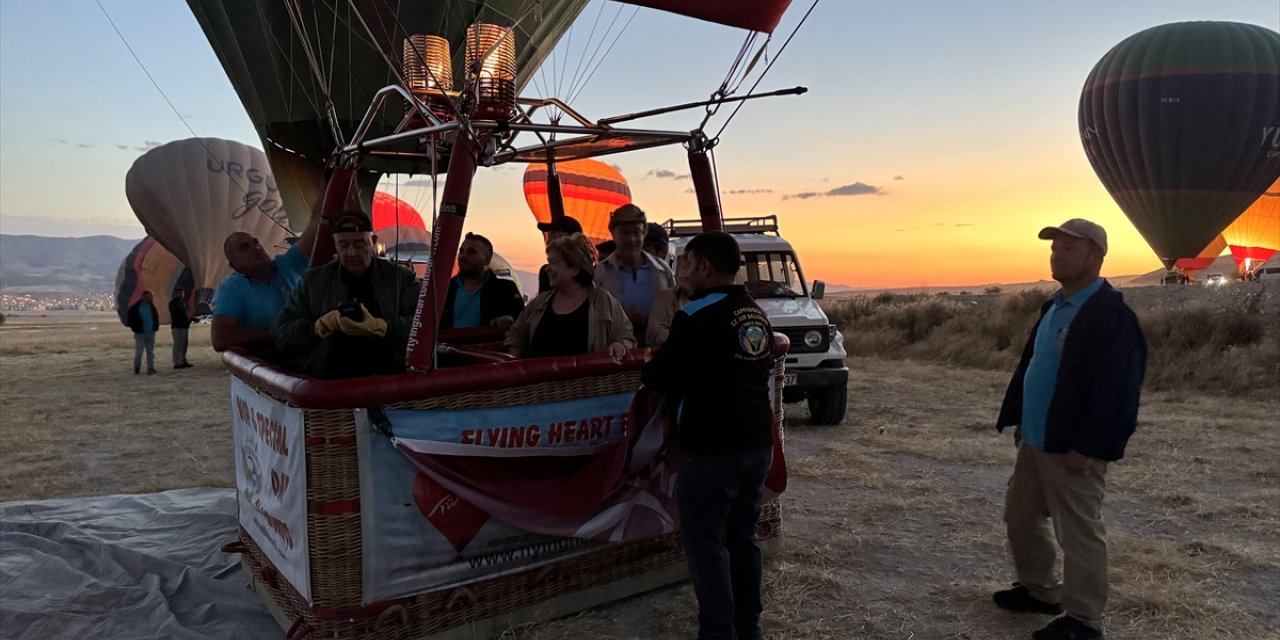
column 254, row 304
column 466, row 305
column 1042, row 372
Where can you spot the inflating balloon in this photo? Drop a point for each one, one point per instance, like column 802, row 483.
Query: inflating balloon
column 150, row 267
column 1255, row 235
column 1181, row 122
column 591, row 191
column 398, row 225
column 1189, row 267
column 191, row 194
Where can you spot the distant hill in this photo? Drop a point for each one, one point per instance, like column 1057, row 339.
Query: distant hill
column 41, row 265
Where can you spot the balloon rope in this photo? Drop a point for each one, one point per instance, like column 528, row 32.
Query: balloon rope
column 767, row 68
column 186, row 124
column 574, row 96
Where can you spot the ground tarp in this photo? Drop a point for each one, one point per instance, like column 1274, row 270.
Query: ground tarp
column 126, row 566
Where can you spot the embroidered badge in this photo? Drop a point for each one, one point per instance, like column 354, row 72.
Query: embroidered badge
column 753, row 339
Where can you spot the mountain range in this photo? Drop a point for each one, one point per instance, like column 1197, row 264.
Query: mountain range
column 39, row 265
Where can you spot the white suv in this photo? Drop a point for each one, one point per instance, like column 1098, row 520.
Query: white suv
column 816, row 370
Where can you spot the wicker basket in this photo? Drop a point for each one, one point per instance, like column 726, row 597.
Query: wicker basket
column 481, row 609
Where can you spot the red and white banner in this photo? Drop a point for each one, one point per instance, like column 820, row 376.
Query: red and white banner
column 271, row 480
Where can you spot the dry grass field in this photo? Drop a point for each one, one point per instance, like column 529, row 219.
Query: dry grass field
column 892, row 519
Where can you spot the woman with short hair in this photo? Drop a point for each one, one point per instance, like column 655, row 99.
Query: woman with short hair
column 573, row 317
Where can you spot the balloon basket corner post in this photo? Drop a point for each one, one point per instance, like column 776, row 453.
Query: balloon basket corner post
column 448, row 513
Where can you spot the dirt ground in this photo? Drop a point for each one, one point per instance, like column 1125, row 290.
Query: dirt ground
column 891, row 523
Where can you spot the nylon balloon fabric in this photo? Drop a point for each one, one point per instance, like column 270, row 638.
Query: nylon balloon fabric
column 591, row 190
column 1255, row 235
column 150, row 267
column 1181, row 122
column 191, row 194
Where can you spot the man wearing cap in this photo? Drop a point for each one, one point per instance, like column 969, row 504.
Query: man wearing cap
column 248, row 300
column 1073, row 401
column 558, row 227
column 349, row 317
column 477, row 297
column 629, row 274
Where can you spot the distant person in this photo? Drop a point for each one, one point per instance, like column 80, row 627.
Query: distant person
column 718, row 364
column 349, row 317
column 179, row 324
column 666, row 304
column 656, row 242
column 477, row 297
column 144, row 321
column 574, row 316
column 557, row 228
column 629, row 274
column 248, row 300
column 1074, row 402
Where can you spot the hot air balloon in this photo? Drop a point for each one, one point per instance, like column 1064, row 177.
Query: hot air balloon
column 191, row 194
column 398, row 225
column 1188, row 267
column 591, row 190
column 1255, row 235
column 1181, row 122
column 150, row 267
column 306, row 71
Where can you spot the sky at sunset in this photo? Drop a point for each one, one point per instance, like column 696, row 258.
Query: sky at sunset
column 935, row 140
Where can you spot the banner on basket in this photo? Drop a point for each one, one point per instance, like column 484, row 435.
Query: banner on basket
column 271, row 480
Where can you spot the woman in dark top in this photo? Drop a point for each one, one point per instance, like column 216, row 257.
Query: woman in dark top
column 573, row 317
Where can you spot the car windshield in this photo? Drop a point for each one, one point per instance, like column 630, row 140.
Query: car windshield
column 771, row 275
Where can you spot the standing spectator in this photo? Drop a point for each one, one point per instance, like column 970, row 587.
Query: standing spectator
column 179, row 324
column 717, row 363
column 629, row 274
column 144, row 320
column 1074, row 402
column 477, row 297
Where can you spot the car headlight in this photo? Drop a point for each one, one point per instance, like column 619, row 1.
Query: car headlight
column 813, row 338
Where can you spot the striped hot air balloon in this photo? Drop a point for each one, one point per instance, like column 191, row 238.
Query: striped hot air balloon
column 398, row 225
column 1181, row 122
column 150, row 267
column 591, row 190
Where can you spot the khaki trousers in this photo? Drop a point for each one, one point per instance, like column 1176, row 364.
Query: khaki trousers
column 1046, row 499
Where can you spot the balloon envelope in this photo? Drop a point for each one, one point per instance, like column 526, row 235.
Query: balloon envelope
column 265, row 53
column 191, row 194
column 398, row 225
column 1189, row 267
column 1181, row 122
column 150, row 267
column 1255, row 235
column 591, row 191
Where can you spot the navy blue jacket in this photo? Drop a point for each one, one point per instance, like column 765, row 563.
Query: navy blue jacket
column 1094, row 409
column 718, row 361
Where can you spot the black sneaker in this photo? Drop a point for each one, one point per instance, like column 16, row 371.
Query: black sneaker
column 1067, row 628
column 137, row 371
column 151, row 372
column 1019, row 600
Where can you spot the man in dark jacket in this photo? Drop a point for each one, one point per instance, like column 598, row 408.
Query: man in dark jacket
column 717, row 362
column 1074, row 402
column 351, row 316
column 144, row 321
column 477, row 297
column 179, row 324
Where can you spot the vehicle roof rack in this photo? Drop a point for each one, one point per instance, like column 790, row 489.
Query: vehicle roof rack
column 754, row 224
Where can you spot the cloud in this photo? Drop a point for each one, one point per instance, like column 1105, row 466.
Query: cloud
column 80, row 145
column 822, row 180
column 666, row 173
column 615, row 167
column 855, row 189
column 419, row 182
column 736, row 192
column 964, row 224
column 898, row 177
column 84, row 145
column 148, row 145
column 122, row 147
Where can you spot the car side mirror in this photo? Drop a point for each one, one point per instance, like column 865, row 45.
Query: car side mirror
column 819, row 290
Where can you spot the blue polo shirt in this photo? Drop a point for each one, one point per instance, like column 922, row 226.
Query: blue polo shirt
column 253, row 304
column 466, row 306
column 1042, row 372
column 144, row 314
column 637, row 288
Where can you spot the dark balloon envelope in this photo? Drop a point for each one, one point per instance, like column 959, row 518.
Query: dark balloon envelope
column 1181, row 122
column 150, row 267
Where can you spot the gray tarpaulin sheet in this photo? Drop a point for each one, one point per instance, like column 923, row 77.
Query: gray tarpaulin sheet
column 126, row 566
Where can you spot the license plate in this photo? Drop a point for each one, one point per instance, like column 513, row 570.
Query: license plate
column 788, row 379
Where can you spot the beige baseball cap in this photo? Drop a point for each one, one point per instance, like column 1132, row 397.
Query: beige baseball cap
column 1078, row 228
